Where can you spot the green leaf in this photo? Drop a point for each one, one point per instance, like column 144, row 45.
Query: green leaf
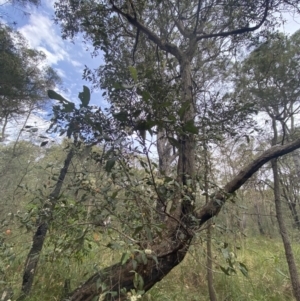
column 136, row 113
column 148, row 233
column 44, row 143
column 144, row 258
column 225, row 253
column 133, row 73
column 185, row 106
column 190, row 127
column 138, row 281
column 110, row 164
column 137, row 230
column 125, row 257
column 134, row 264
column 174, row 142
column 146, row 96
column 118, row 86
column 113, row 196
column 281, row 273
column 85, row 96
column 68, row 107
column 243, row 269
column 122, row 116
column 225, row 271
column 53, row 95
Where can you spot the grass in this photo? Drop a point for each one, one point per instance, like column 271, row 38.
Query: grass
column 264, row 257
column 268, row 275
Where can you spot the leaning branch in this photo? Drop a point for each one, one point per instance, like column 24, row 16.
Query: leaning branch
column 237, row 31
column 153, row 270
column 214, row 206
column 163, row 45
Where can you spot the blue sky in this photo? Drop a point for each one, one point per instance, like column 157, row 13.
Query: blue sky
column 67, row 58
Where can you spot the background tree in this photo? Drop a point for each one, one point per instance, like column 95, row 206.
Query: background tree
column 25, row 78
column 270, row 79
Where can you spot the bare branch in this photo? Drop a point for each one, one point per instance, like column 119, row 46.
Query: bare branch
column 163, row 45
column 237, row 31
column 197, row 15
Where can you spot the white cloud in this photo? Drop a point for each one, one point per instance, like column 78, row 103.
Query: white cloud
column 41, row 35
column 61, row 73
column 50, row 3
column 76, row 63
column 4, row 2
column 291, row 23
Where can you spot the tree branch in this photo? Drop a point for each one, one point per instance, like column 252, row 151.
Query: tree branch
column 163, row 45
column 214, row 206
column 237, row 31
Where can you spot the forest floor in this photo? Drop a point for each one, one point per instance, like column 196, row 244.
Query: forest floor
column 258, row 272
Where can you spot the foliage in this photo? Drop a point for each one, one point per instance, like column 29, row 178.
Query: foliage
column 24, row 77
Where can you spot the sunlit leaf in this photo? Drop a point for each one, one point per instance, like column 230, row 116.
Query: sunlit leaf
column 133, row 73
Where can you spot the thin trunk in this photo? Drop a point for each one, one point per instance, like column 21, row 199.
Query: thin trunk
column 291, row 201
column 281, row 223
column 186, row 160
column 259, row 223
column 41, row 231
column 19, row 134
column 2, row 138
column 284, row 234
column 296, row 159
column 209, row 262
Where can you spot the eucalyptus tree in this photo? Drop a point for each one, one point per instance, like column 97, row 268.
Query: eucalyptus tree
column 269, row 77
column 179, row 31
column 24, row 77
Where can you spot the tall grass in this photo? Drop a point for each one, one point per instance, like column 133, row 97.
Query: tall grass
column 264, row 257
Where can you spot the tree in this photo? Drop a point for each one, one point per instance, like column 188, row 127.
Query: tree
column 180, row 30
column 269, row 78
column 25, row 78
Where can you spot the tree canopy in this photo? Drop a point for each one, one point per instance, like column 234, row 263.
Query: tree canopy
column 25, row 78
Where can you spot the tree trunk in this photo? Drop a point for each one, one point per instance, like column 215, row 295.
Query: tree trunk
column 171, row 251
column 259, row 223
column 2, row 138
column 209, row 264
column 291, row 200
column 166, row 155
column 284, row 234
column 121, row 277
column 41, row 231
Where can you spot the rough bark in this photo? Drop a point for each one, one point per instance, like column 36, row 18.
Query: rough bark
column 171, row 251
column 41, row 231
column 121, row 276
column 165, row 152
